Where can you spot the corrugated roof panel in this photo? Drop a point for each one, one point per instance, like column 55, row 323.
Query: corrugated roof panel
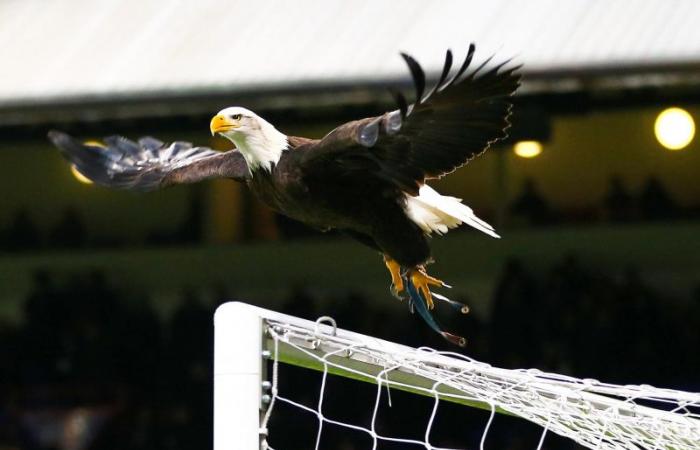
column 65, row 48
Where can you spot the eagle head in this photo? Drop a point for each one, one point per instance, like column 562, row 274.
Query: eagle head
column 233, row 121
column 259, row 142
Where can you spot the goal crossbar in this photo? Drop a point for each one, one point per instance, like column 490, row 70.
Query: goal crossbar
column 595, row 414
column 341, row 361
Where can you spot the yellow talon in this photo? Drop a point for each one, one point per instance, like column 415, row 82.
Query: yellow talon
column 396, row 280
column 422, row 281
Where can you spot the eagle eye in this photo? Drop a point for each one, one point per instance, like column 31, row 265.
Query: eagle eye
column 236, row 116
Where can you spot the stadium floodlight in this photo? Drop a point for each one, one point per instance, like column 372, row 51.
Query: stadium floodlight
column 79, row 176
column 527, row 149
column 592, row 413
column 674, row 128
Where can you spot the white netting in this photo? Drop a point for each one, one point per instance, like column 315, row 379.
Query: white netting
column 594, row 414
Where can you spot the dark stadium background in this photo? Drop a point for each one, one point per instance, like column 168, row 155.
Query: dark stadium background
column 106, row 298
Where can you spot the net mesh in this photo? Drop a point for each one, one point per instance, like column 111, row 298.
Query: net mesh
column 592, row 413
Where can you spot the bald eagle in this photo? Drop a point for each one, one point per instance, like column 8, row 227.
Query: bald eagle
column 366, row 178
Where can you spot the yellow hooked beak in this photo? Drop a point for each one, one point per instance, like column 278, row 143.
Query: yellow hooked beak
column 220, row 123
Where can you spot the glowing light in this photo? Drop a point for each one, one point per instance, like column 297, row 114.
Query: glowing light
column 527, row 149
column 674, row 128
column 74, row 170
column 79, row 176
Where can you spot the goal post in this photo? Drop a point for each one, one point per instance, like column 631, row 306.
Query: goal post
column 238, row 376
column 590, row 412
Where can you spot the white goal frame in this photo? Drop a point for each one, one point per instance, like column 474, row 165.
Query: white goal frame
column 246, row 336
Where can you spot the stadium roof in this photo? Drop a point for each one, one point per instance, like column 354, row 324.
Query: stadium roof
column 84, row 49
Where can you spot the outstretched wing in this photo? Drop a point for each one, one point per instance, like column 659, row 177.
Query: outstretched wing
column 149, row 163
column 457, row 120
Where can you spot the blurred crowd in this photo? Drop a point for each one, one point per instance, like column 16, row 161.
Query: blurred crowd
column 92, row 366
column 529, row 207
column 92, row 356
column 619, row 205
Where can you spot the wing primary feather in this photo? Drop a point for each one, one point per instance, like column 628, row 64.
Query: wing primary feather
column 446, row 68
column 498, row 67
column 417, row 74
column 472, row 75
column 124, row 145
column 123, row 163
column 443, row 76
column 463, row 67
column 401, row 103
column 150, row 143
column 432, row 136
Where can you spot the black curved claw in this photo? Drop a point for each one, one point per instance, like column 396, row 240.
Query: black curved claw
column 395, row 292
column 454, row 339
column 417, row 74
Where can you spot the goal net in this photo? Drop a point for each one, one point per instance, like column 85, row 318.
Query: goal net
column 251, row 343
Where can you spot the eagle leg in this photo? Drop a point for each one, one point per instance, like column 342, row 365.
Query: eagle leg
column 397, row 286
column 422, row 281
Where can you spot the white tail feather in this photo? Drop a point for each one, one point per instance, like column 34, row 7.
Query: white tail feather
column 435, row 213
